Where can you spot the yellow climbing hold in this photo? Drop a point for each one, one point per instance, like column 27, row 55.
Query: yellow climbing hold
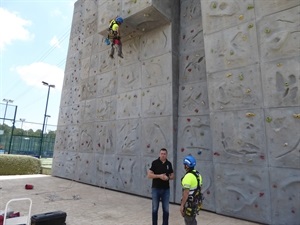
column 241, row 17
column 296, row 116
column 241, row 76
column 267, row 30
column 228, row 75
column 269, row 119
column 250, row 7
column 214, row 5
column 249, row 114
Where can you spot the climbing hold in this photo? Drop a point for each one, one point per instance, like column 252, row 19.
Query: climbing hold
column 228, row 75
column 250, row 114
column 199, row 152
column 250, row 7
column 214, row 5
column 248, row 91
column 250, row 25
column 241, row 76
column 269, row 119
column 267, row 30
column 241, row 17
column 285, row 144
column 296, row 116
column 231, row 52
column 279, row 64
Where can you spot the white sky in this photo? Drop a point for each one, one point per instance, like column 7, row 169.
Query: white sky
column 34, row 40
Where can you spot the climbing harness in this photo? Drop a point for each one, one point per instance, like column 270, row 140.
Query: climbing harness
column 194, row 201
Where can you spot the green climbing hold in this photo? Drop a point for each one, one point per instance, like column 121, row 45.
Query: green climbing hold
column 269, row 119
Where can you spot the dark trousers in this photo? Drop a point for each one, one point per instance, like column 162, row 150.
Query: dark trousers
column 190, row 220
column 163, row 195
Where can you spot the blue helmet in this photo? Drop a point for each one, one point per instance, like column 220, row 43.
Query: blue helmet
column 119, row 20
column 189, row 161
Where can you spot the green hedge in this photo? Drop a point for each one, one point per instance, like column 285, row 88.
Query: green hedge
column 19, row 165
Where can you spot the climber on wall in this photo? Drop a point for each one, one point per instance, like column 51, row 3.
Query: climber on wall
column 115, row 36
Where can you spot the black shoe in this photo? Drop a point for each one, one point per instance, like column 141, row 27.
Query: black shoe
column 111, row 56
column 121, row 56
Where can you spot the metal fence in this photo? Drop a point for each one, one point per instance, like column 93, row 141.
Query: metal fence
column 16, row 140
column 28, row 145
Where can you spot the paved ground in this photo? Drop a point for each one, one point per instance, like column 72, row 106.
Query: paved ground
column 90, row 205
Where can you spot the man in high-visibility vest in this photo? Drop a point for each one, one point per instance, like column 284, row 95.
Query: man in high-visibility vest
column 191, row 191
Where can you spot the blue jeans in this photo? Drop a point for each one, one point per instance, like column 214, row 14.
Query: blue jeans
column 163, row 195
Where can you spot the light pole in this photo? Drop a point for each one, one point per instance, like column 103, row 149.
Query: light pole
column 7, row 101
column 45, row 115
column 22, row 120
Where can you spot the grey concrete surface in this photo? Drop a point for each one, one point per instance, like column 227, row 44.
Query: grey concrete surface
column 91, row 205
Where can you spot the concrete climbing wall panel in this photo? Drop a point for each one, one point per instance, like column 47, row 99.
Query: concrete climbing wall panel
column 105, row 167
column 194, row 137
column 193, row 99
column 192, row 66
column 157, row 71
column 157, row 101
column 129, row 105
column 235, row 89
column 231, row 48
column 156, row 43
column 68, row 138
column 157, row 133
column 283, row 137
column 129, row 137
column 220, row 15
column 242, row 191
column 284, row 199
column 129, row 78
column 239, row 137
column 281, row 81
column 105, row 141
column 263, row 8
column 126, row 168
column 279, row 34
column 190, row 12
column 106, row 108
column 85, row 168
column 65, row 164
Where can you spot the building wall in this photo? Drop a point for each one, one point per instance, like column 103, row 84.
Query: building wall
column 215, row 79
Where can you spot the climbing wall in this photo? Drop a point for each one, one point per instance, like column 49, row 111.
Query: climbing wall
column 116, row 114
column 253, row 80
column 213, row 78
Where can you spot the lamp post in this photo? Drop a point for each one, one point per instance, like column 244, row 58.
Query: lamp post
column 7, row 101
column 45, row 115
column 22, row 121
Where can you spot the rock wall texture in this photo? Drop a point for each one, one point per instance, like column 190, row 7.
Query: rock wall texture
column 213, row 78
